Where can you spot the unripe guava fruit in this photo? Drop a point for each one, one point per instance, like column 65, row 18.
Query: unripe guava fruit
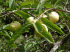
column 44, row 15
column 37, row 33
column 54, row 17
column 45, row 27
column 14, row 26
column 31, row 20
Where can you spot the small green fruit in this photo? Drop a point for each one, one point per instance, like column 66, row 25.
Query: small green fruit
column 31, row 20
column 45, row 16
column 45, row 27
column 14, row 26
column 54, row 17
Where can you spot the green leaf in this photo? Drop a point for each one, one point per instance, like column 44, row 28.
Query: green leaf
column 57, row 2
column 11, row 3
column 48, row 5
column 40, row 5
column 18, row 33
column 51, row 25
column 22, row 14
column 7, row 34
column 19, row 39
column 53, row 1
column 42, row 31
column 6, row 26
column 27, row 2
column 62, row 26
column 4, row 34
column 27, row 46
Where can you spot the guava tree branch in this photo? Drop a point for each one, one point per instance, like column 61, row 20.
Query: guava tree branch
column 7, row 13
column 31, row 14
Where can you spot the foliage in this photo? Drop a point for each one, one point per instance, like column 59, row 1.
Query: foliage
column 23, row 39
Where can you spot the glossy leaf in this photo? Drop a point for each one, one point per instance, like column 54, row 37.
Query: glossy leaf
column 42, row 32
column 52, row 25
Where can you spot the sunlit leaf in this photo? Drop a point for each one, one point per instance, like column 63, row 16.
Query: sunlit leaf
column 52, row 25
column 42, row 32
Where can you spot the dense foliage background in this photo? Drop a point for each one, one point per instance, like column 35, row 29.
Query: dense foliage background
column 23, row 39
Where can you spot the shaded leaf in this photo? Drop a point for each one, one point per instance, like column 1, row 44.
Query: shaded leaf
column 19, row 39
column 27, row 46
column 3, row 34
column 57, row 2
column 53, row 1
column 61, row 12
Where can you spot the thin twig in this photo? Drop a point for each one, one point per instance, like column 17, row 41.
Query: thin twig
column 43, row 13
column 31, row 14
column 7, row 13
column 65, row 6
